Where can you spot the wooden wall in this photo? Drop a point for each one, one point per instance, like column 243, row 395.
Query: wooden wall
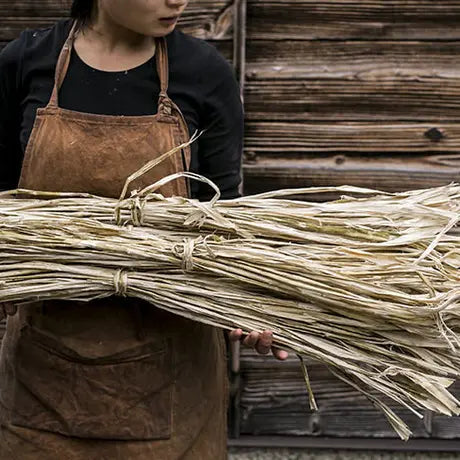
column 337, row 92
column 273, row 401
column 345, row 92
column 352, row 92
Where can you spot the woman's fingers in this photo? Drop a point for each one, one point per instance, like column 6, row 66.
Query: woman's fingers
column 280, row 354
column 251, row 339
column 235, row 335
column 264, row 344
column 261, row 342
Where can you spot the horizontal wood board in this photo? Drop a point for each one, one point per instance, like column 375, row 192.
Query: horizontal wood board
column 274, row 402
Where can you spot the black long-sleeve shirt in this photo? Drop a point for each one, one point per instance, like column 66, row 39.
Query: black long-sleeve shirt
column 201, row 83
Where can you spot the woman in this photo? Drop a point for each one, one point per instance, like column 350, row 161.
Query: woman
column 115, row 378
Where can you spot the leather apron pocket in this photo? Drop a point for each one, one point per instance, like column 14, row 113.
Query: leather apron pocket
column 125, row 396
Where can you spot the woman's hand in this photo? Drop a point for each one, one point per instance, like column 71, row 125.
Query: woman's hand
column 261, row 342
column 7, row 309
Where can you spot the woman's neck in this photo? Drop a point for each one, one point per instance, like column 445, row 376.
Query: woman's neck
column 112, row 38
column 106, row 46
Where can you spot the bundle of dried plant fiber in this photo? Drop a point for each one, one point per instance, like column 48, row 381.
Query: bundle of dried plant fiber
column 369, row 286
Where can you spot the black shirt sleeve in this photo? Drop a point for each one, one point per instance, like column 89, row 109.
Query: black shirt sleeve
column 220, row 146
column 10, row 148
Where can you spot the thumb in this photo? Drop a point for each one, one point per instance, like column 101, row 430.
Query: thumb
column 9, row 308
column 2, row 311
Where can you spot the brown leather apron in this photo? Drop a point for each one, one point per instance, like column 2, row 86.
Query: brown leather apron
column 113, row 378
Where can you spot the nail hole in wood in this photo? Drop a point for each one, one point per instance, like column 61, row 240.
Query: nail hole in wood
column 434, row 134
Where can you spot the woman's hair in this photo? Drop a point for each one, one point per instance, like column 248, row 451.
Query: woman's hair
column 82, row 9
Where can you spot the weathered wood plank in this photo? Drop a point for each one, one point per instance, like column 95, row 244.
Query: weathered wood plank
column 351, row 59
column 265, row 138
column 203, row 18
column 402, row 99
column 274, row 401
column 383, row 172
column 353, row 81
column 359, row 19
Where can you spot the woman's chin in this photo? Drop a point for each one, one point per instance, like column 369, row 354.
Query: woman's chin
column 161, row 30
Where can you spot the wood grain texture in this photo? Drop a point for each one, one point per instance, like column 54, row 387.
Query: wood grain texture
column 265, row 138
column 307, row 80
column 274, row 401
column 396, row 100
column 359, row 19
column 358, row 59
column 382, row 172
